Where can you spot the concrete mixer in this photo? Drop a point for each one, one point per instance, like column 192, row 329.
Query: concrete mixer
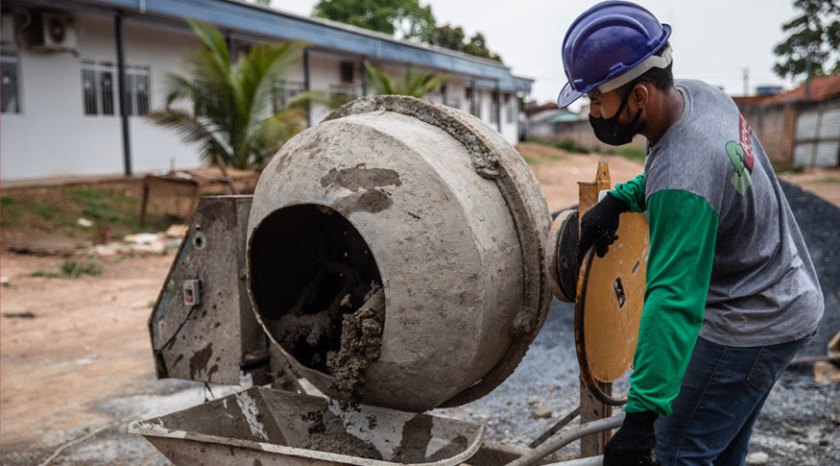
column 397, row 257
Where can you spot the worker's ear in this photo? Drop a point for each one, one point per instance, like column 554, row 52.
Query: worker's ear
column 640, row 94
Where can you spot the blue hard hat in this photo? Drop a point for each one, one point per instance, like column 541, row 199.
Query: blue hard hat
column 607, row 41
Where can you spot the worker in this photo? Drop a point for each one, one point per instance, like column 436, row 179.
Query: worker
column 731, row 292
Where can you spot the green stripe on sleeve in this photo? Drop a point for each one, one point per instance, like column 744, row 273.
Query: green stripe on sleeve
column 632, row 193
column 683, row 230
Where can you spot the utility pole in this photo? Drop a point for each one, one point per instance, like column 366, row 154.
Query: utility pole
column 808, row 74
column 746, row 82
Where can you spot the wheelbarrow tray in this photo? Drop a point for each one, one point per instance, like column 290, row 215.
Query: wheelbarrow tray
column 263, row 426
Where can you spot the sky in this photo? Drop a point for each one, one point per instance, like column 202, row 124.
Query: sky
column 713, row 40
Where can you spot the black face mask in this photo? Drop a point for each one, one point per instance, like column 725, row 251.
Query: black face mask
column 610, row 131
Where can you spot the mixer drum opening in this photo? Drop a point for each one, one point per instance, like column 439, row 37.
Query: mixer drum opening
column 317, row 288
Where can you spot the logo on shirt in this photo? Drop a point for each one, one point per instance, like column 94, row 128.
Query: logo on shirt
column 741, row 155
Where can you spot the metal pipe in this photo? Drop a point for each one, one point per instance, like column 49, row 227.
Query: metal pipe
column 497, row 96
column 307, row 84
column 555, row 443
column 121, row 82
column 590, row 461
column 364, row 77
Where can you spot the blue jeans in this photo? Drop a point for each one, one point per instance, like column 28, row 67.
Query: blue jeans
column 722, row 393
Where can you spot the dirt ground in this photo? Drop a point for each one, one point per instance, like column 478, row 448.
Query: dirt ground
column 81, row 362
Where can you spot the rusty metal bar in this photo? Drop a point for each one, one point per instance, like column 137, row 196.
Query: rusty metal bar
column 555, row 443
column 555, row 428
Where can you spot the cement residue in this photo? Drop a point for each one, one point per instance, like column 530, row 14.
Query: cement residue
column 372, row 201
column 307, row 327
column 342, row 443
column 416, row 435
column 361, row 178
column 361, row 341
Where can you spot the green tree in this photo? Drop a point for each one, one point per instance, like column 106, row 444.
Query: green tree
column 406, row 17
column 449, row 36
column 414, row 84
column 230, row 111
column 453, row 38
column 815, row 30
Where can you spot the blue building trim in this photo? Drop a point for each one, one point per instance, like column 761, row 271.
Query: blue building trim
column 255, row 20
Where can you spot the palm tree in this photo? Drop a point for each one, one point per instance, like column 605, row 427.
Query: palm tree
column 230, row 111
column 414, row 84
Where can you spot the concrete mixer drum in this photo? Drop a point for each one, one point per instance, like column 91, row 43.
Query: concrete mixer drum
column 395, row 254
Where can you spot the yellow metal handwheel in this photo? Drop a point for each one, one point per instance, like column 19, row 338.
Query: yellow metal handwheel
column 610, row 298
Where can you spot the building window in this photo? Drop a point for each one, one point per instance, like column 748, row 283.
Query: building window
column 347, row 71
column 509, row 109
column 475, row 102
column 283, row 92
column 137, row 79
column 494, row 108
column 98, row 87
column 453, row 102
column 10, row 90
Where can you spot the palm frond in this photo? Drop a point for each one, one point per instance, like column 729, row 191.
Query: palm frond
column 273, row 132
column 192, row 129
column 430, row 83
column 379, row 80
column 411, row 83
column 214, row 41
column 257, row 75
column 231, row 105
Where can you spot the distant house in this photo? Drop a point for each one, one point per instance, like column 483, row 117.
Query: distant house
column 801, row 126
column 540, row 119
column 555, row 125
column 63, row 62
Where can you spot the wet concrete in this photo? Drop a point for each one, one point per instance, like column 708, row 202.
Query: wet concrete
column 361, row 342
column 343, row 444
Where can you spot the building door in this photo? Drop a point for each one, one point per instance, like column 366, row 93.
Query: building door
column 818, row 137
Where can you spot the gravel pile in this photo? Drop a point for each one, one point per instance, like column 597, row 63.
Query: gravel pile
column 819, row 222
column 800, row 423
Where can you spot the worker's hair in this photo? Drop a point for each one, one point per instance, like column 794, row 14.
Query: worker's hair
column 660, row 78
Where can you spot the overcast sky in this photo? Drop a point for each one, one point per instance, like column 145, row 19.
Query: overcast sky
column 713, row 40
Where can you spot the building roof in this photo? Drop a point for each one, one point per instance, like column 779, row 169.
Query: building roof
column 532, row 107
column 256, row 21
column 822, row 88
column 567, row 116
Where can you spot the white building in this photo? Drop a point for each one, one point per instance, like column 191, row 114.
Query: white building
column 63, row 62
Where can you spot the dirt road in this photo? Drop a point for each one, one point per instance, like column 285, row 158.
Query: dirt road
column 86, row 342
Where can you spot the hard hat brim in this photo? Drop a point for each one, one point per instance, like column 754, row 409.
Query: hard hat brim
column 567, row 96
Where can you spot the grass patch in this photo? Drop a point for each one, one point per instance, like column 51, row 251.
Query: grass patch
column 56, row 210
column 70, row 269
column 530, row 160
column 569, row 145
column 633, row 153
column 786, row 167
column 19, row 315
column 829, row 180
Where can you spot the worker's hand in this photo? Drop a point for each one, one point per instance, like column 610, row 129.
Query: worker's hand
column 633, row 444
column 599, row 225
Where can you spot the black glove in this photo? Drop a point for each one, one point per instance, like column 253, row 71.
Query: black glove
column 599, row 224
column 633, row 444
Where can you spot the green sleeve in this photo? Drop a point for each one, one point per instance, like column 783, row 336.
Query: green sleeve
column 683, row 229
column 632, row 193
